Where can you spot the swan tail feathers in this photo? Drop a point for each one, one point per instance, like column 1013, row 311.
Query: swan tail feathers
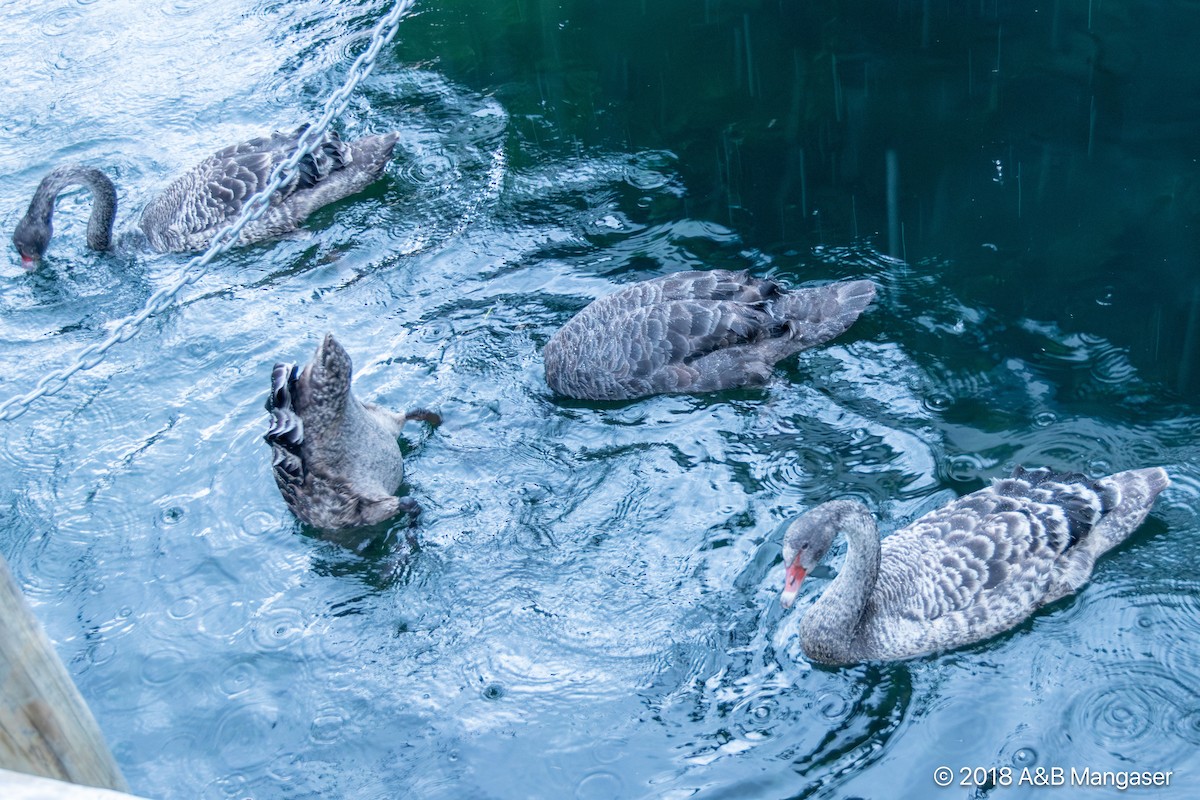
column 814, row 315
column 1132, row 493
column 819, row 314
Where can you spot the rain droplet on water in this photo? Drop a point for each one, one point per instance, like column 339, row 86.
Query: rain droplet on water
column 938, row 402
column 1025, row 757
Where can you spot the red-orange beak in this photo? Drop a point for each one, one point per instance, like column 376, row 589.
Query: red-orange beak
column 28, row 262
column 791, row 584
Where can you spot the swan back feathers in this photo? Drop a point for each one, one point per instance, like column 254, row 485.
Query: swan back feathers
column 201, row 201
column 698, row 331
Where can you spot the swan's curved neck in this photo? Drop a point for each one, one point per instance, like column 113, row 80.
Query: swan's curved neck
column 104, row 201
column 830, row 627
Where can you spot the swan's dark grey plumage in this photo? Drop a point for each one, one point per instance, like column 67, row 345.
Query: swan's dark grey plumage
column 965, row 572
column 335, row 459
column 196, row 205
column 694, row 332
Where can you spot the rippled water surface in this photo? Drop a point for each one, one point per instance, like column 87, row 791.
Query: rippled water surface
column 591, row 610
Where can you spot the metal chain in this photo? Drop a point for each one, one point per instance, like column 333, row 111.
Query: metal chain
column 227, row 237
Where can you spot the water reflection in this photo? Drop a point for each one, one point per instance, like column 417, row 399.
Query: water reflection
column 592, row 599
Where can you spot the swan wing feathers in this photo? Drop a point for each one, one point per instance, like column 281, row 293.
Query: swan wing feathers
column 712, row 284
column 680, row 331
column 218, row 187
column 285, row 434
column 614, row 350
column 989, row 555
column 966, row 568
column 213, row 193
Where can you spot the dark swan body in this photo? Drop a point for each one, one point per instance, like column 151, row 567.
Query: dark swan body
column 964, row 572
column 195, row 206
column 335, row 459
column 698, row 331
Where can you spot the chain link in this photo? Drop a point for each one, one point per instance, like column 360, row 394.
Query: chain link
column 227, row 237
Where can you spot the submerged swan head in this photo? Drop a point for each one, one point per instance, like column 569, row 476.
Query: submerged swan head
column 31, row 239
column 810, row 535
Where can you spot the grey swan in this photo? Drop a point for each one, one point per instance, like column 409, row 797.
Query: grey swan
column 964, row 572
column 335, row 459
column 698, row 331
column 200, row 202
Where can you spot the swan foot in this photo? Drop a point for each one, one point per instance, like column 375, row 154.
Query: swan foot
column 410, row 510
column 431, row 418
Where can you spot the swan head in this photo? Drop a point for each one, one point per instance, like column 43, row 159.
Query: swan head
column 809, row 537
column 31, row 238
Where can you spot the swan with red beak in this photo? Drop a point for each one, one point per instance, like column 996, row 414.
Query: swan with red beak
column 965, row 572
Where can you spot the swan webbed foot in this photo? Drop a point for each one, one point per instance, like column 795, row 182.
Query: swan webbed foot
column 430, row 418
column 410, row 511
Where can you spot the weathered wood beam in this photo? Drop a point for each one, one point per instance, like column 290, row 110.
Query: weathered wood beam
column 45, row 727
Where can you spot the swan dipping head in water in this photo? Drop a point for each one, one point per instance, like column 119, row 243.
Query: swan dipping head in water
column 192, row 209
column 335, row 458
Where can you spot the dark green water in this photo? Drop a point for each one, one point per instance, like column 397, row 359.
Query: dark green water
column 592, row 612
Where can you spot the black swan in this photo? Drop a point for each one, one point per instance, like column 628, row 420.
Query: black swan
column 964, row 572
column 335, row 459
column 203, row 200
column 694, row 332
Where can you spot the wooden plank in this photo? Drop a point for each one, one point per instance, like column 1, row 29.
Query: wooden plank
column 19, row 786
column 45, row 727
